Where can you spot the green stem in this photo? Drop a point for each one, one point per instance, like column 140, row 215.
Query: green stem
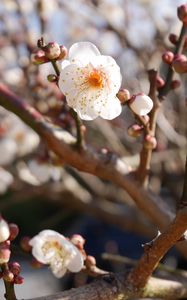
column 78, row 123
column 55, row 66
column 9, row 286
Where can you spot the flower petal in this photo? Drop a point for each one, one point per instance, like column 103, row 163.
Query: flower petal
column 141, row 104
column 82, row 52
column 76, row 263
column 111, row 108
column 58, row 272
column 63, row 63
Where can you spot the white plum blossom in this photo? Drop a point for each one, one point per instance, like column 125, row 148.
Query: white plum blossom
column 4, row 230
column 51, row 247
column 141, row 104
column 90, row 82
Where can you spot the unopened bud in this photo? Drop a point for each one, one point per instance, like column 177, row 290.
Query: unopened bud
column 8, row 276
column 15, row 268
column 123, row 95
column 78, row 241
column 90, row 261
column 14, row 230
column 4, row 230
column 52, row 78
column 39, row 57
column 182, row 13
column 63, row 52
column 179, row 64
column 135, row 130
column 167, row 57
column 4, row 255
column 24, row 243
column 141, row 104
column 173, row 38
column 18, row 279
column 150, row 142
column 175, row 84
column 52, row 50
column 159, row 82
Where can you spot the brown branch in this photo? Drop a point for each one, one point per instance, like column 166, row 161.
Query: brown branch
column 60, row 142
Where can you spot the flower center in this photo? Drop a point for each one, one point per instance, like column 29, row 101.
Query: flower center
column 95, row 79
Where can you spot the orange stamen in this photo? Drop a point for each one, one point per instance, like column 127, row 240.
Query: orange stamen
column 95, row 79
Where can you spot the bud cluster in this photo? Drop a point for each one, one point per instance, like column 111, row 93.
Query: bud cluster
column 50, row 52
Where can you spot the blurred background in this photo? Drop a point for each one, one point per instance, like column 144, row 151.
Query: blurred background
column 36, row 191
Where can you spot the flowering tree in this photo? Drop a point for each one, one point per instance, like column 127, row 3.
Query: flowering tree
column 84, row 85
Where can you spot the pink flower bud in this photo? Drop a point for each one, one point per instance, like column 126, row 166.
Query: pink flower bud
column 182, row 13
column 135, row 130
column 18, row 279
column 78, row 241
column 141, row 104
column 63, row 52
column 179, row 64
column 15, row 268
column 14, row 230
column 4, row 230
column 159, row 82
column 52, row 50
column 4, row 255
column 167, row 57
column 123, row 95
column 173, row 38
column 175, row 84
column 39, row 57
column 150, row 142
column 24, row 243
column 8, row 276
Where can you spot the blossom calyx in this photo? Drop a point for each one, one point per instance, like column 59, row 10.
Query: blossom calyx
column 63, row 52
column 14, row 231
column 141, row 104
column 4, row 230
column 173, row 38
column 52, row 50
column 135, row 130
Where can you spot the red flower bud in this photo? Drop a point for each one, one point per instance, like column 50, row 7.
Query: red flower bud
column 18, row 280
column 173, row 38
column 175, row 84
column 14, row 231
column 182, row 13
column 15, row 268
column 52, row 50
column 135, row 130
column 4, row 255
column 167, row 57
column 159, row 82
column 39, row 57
column 123, row 95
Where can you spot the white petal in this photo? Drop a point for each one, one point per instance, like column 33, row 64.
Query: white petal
column 111, row 108
column 4, row 231
column 76, row 264
column 58, row 272
column 82, row 52
column 63, row 63
column 141, row 104
column 48, row 234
